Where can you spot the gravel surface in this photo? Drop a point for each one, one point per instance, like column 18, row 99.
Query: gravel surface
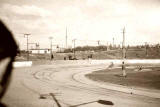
column 28, row 84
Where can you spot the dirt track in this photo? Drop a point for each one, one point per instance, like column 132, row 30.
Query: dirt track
column 29, row 83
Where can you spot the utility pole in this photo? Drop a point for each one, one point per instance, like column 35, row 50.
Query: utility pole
column 113, row 42
column 26, row 36
column 123, row 44
column 66, row 37
column 51, row 47
column 146, row 48
column 74, row 40
column 37, row 45
column 107, row 46
column 98, row 42
column 123, row 54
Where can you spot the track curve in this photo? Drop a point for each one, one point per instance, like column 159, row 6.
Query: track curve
column 59, row 79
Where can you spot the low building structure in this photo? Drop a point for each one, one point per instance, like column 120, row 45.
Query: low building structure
column 40, row 51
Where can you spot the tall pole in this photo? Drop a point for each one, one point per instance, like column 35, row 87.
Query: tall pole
column 74, row 40
column 66, row 38
column 26, row 35
column 51, row 46
column 123, row 43
column 146, row 49
column 123, row 47
column 113, row 42
column 98, row 42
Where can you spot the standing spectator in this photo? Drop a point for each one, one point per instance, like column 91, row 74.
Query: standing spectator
column 52, row 57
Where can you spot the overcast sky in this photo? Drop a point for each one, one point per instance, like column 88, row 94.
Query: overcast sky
column 85, row 20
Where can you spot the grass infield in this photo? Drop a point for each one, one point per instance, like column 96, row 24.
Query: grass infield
column 147, row 77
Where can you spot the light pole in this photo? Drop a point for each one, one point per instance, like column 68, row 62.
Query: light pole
column 123, row 54
column 66, row 38
column 51, row 47
column 113, row 43
column 26, row 36
column 98, row 42
column 146, row 48
column 74, row 40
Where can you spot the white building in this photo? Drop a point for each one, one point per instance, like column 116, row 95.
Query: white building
column 39, row 51
column 46, row 51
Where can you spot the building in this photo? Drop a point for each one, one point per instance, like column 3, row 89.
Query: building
column 40, row 51
column 46, row 50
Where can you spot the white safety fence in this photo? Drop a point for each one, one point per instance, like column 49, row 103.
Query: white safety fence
column 88, row 62
column 22, row 64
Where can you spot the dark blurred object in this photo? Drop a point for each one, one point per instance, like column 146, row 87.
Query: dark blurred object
column 2, row 105
column 104, row 102
column 8, row 50
column 8, row 47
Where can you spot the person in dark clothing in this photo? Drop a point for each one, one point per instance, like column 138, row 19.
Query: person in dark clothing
column 124, row 69
column 52, row 57
column 8, row 51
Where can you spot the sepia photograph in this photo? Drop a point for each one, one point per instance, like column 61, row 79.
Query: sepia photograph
column 79, row 53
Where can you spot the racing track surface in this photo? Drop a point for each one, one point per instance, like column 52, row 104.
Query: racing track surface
column 28, row 84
